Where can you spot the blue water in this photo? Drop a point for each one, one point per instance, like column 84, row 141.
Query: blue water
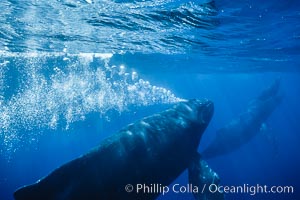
column 74, row 72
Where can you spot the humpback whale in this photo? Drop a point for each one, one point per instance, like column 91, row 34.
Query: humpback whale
column 242, row 129
column 153, row 150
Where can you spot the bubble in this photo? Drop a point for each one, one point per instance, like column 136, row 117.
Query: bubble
column 122, row 70
column 134, row 76
column 52, row 93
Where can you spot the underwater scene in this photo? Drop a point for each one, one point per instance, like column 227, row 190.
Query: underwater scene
column 149, row 99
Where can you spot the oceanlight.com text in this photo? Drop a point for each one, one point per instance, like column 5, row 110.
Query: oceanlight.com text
column 250, row 189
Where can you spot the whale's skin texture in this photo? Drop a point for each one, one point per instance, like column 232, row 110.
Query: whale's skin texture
column 242, row 129
column 153, row 150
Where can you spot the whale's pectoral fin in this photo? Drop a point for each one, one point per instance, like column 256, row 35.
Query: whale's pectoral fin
column 207, row 181
column 270, row 137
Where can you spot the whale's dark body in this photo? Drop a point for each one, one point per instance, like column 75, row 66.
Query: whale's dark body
column 242, row 129
column 153, row 150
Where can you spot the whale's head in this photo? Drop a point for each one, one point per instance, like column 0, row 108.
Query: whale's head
column 203, row 110
column 194, row 116
column 199, row 111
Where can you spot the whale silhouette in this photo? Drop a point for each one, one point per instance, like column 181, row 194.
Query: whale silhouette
column 242, row 129
column 153, row 150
